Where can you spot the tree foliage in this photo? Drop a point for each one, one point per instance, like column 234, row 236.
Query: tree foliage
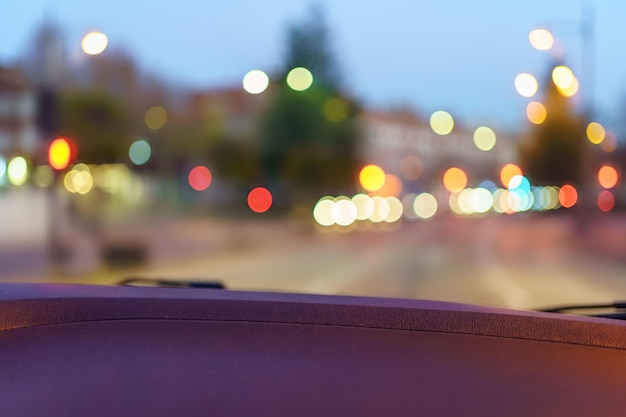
column 309, row 138
column 553, row 151
column 97, row 123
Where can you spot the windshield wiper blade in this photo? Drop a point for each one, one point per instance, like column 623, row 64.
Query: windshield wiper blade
column 156, row 282
column 620, row 305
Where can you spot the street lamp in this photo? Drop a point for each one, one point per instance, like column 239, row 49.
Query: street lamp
column 94, row 43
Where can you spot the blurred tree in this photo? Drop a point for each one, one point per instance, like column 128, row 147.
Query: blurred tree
column 97, row 123
column 309, row 138
column 553, row 151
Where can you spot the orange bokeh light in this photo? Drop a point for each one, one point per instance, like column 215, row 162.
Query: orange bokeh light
column 454, row 179
column 260, row 200
column 607, row 176
column 392, row 187
column 507, row 172
column 568, row 196
column 606, row 201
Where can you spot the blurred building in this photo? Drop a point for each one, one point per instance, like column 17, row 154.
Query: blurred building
column 233, row 112
column 18, row 130
column 390, row 136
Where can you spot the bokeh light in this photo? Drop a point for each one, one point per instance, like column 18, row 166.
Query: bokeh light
column 17, row 171
column 259, row 200
column 155, row 117
column 484, row 138
column 364, row 206
column 507, row 172
column 335, row 110
column 568, row 196
column 59, row 154
column 441, row 122
column 595, row 133
column 79, row 179
column 571, row 90
column 526, row 85
column 411, row 167
column 299, row 79
column 607, row 176
column 391, row 187
column 407, row 206
column 199, row 178
column 139, row 152
column 395, row 209
column 372, row 177
column 255, row 82
column 536, row 112
column 563, row 77
column 454, row 179
column 94, row 43
column 541, row 39
column 609, row 144
column 43, row 176
column 381, row 209
column 606, row 201
column 425, row 206
column 3, row 167
column 323, row 211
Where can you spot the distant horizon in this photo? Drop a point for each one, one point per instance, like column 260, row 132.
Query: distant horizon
column 384, row 50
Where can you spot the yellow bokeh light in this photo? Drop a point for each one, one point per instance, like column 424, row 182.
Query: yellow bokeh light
column 563, row 77
column 155, row 117
column 372, row 177
column 335, row 110
column 381, row 209
column 323, row 211
column 43, row 176
column 17, row 171
column 526, row 85
column 536, row 112
column 484, row 138
column 79, row 180
column 595, row 133
column 344, row 212
column 507, row 172
column 454, row 179
column 571, row 90
column 255, row 82
column 541, row 39
column 441, row 122
column 364, row 206
column 425, row 206
column 299, row 79
column 395, row 210
column 94, row 43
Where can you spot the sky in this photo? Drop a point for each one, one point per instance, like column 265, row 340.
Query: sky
column 455, row 55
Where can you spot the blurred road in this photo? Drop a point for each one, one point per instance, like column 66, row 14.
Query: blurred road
column 507, row 261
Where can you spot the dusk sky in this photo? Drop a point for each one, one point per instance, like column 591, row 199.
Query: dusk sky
column 459, row 56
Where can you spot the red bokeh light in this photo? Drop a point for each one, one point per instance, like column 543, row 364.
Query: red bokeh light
column 606, row 201
column 568, row 196
column 199, row 178
column 260, row 200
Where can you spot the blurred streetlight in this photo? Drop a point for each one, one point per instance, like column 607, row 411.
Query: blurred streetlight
column 541, row 39
column 94, row 43
column 526, row 84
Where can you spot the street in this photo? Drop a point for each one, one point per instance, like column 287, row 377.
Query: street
column 505, row 261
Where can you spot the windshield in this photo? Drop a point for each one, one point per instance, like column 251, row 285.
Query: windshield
column 459, row 151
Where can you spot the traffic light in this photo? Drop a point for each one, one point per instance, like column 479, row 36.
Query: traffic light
column 60, row 154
